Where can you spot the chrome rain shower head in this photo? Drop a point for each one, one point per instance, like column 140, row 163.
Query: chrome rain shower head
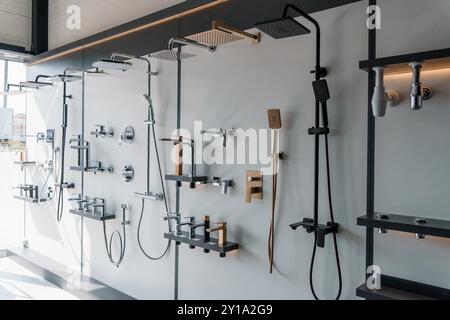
column 282, row 28
column 418, row 93
column 111, row 64
column 36, row 84
column 65, row 78
column 173, row 55
column 381, row 98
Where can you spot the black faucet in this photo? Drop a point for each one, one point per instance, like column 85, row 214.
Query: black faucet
column 206, row 233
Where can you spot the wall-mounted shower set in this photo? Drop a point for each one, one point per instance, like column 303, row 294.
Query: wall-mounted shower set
column 289, row 27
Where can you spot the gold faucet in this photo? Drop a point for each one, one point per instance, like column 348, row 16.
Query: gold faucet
column 222, row 229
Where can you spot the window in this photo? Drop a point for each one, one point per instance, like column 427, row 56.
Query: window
column 12, row 142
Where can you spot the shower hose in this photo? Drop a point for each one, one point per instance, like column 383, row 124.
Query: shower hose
column 59, row 210
column 163, row 192
column 122, row 241
column 330, row 202
column 271, row 240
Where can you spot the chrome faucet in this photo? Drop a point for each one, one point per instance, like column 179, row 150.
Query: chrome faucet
column 177, row 218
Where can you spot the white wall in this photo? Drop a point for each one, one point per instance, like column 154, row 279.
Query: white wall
column 233, row 88
column 15, row 22
column 97, row 16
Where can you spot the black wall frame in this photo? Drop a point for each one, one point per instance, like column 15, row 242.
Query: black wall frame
column 392, row 288
column 39, row 23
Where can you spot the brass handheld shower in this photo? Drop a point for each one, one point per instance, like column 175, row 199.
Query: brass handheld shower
column 275, row 126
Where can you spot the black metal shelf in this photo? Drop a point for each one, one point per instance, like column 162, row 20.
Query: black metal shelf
column 92, row 216
column 401, row 289
column 433, row 227
column 28, row 199
column 212, row 245
column 435, row 59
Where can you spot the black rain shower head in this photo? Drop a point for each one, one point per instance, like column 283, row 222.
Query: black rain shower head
column 282, row 28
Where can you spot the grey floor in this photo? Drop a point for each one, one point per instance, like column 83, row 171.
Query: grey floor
column 17, row 283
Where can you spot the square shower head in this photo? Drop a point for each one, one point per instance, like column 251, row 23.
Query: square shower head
column 171, row 55
column 282, row 28
column 34, row 84
column 111, row 64
column 65, row 78
column 215, row 37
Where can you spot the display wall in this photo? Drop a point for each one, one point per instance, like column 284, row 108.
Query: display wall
column 233, row 88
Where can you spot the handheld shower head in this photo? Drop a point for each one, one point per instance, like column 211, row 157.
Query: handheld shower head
column 381, row 98
column 147, row 99
column 418, row 93
column 282, row 28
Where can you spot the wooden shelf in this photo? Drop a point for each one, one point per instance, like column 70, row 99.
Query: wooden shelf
column 31, row 200
column 199, row 242
column 433, row 60
column 433, row 227
column 92, row 216
column 400, row 289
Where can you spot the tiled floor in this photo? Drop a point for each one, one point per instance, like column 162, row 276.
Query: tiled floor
column 17, row 283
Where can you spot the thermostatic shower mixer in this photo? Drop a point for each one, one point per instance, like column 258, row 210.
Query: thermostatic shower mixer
column 127, row 136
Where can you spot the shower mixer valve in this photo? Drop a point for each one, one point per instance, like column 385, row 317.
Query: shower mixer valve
column 224, row 133
column 321, row 230
column 224, row 183
column 100, row 131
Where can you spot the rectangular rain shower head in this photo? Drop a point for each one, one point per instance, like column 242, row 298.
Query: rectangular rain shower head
column 111, row 64
column 282, row 28
column 171, row 55
column 222, row 34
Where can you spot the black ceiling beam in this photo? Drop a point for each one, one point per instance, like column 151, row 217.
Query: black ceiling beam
column 240, row 13
column 39, row 26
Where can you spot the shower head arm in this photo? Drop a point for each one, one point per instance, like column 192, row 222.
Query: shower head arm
column 115, row 55
column 39, row 76
column 184, row 41
column 316, row 25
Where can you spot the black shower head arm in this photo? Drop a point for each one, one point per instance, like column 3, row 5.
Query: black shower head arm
column 39, row 76
column 185, row 41
column 316, row 25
